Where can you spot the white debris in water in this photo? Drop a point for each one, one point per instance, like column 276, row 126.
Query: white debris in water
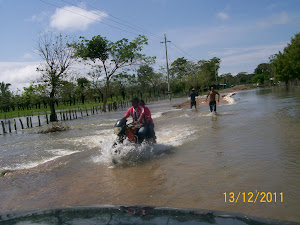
column 57, row 153
column 229, row 98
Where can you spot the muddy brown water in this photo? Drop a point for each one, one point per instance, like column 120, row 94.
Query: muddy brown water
column 251, row 146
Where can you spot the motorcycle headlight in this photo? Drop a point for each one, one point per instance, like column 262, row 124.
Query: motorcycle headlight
column 117, row 130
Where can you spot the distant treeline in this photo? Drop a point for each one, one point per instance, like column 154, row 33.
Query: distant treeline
column 144, row 82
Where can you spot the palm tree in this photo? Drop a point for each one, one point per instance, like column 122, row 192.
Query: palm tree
column 4, row 96
column 4, row 88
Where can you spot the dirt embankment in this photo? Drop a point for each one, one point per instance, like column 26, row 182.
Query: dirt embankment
column 223, row 96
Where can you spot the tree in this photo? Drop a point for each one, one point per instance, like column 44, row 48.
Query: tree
column 58, row 56
column 144, row 76
column 287, row 63
column 5, row 96
column 179, row 71
column 210, row 69
column 108, row 57
column 33, row 95
column 68, row 92
column 83, row 85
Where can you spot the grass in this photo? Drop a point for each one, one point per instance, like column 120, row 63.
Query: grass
column 3, row 172
column 33, row 111
column 42, row 111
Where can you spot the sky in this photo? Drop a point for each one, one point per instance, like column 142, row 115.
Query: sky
column 242, row 34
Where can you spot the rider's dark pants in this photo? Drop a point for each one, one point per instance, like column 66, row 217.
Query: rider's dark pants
column 213, row 106
column 146, row 131
column 142, row 133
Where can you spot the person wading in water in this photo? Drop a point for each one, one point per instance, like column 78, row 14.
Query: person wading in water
column 212, row 99
column 193, row 98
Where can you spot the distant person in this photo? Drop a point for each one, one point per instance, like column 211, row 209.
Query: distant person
column 193, row 98
column 148, row 122
column 212, row 99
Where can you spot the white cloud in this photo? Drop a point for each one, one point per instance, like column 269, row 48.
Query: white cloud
column 247, row 59
column 18, row 74
column 193, row 37
column 223, row 16
column 40, row 18
column 75, row 18
column 27, row 56
column 276, row 19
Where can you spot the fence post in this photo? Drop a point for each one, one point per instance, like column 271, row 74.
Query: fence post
column 3, row 127
column 21, row 123
column 30, row 121
column 9, row 127
column 47, row 119
column 27, row 120
column 15, row 124
column 39, row 120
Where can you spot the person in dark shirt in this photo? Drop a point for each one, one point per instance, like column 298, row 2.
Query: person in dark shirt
column 193, row 98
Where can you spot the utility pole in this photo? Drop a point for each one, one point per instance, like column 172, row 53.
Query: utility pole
column 169, row 93
column 216, row 74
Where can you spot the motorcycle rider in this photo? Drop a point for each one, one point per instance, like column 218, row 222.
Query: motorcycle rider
column 148, row 122
column 136, row 112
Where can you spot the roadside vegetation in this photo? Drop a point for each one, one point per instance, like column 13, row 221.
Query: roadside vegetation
column 119, row 71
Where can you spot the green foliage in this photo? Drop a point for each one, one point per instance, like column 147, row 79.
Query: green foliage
column 58, row 56
column 3, row 172
column 112, row 56
column 5, row 96
column 287, row 63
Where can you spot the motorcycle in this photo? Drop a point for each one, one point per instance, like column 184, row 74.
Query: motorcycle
column 130, row 132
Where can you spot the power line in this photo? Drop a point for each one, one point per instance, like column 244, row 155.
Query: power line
column 167, row 66
column 184, row 51
column 132, row 26
column 88, row 17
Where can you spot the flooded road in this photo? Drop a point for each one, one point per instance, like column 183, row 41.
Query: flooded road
column 251, row 146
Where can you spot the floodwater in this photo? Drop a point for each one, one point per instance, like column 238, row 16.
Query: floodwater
column 251, row 146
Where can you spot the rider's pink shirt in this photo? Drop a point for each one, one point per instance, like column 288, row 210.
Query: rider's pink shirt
column 147, row 114
column 135, row 113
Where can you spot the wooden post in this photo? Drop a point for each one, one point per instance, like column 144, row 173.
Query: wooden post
column 15, row 124
column 21, row 123
column 30, row 122
column 27, row 120
column 9, row 127
column 76, row 113
column 47, row 119
column 3, row 127
column 60, row 116
column 39, row 121
column 70, row 115
column 64, row 116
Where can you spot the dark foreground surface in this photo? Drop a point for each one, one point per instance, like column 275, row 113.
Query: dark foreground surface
column 133, row 215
